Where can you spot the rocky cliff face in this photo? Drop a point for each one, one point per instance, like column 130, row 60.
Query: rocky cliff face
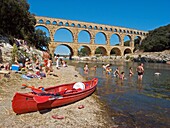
column 153, row 57
column 6, row 52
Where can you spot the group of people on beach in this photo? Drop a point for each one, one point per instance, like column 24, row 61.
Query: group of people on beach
column 35, row 65
column 60, row 61
column 47, row 65
column 117, row 73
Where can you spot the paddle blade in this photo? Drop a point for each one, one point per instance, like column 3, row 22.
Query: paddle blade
column 37, row 91
column 28, row 86
column 24, row 85
column 41, row 99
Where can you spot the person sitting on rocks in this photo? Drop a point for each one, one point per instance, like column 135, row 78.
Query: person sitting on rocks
column 5, row 66
column 64, row 63
column 28, row 64
column 16, row 61
column 1, row 66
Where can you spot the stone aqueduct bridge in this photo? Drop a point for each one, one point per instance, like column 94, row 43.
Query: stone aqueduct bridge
column 53, row 24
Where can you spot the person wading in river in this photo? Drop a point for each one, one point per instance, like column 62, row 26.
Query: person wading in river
column 140, row 71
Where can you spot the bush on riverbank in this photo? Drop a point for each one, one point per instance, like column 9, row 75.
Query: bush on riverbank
column 157, row 40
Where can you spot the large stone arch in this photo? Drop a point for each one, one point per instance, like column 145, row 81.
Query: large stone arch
column 90, row 36
column 88, row 49
column 48, row 29
column 60, row 28
column 137, row 40
column 117, row 51
column 68, row 46
column 130, row 41
column 103, row 50
column 140, row 39
column 41, row 25
column 118, row 36
column 127, row 51
column 101, row 33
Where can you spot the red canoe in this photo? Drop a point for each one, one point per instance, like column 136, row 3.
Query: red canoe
column 52, row 97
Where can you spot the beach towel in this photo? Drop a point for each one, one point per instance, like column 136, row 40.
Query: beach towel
column 25, row 77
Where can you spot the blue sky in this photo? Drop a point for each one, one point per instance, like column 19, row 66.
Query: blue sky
column 142, row 15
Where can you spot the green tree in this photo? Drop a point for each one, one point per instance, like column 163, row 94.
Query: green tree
column 14, row 53
column 127, row 43
column 83, row 52
column 136, row 44
column 98, row 51
column 157, row 40
column 40, row 39
column 15, row 19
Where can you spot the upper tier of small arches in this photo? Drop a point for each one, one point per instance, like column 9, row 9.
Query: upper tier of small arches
column 60, row 22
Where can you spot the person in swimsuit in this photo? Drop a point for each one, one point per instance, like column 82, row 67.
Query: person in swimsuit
column 49, row 67
column 86, row 69
column 130, row 72
column 116, row 72
column 140, row 71
column 122, row 76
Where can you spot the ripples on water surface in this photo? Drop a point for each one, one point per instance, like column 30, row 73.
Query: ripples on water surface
column 132, row 103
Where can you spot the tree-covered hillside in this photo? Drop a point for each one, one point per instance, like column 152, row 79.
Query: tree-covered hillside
column 157, row 40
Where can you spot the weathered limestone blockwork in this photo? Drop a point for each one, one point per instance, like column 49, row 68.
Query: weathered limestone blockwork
column 53, row 24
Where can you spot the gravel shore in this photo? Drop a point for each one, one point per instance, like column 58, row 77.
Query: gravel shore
column 92, row 115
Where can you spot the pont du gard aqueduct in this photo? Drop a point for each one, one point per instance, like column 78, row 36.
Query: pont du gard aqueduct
column 75, row 27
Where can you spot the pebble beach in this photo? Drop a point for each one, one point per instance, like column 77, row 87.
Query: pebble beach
column 93, row 115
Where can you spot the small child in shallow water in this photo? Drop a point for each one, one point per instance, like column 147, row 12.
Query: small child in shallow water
column 122, row 76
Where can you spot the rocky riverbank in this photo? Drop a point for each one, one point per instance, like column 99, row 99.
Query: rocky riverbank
column 150, row 57
column 93, row 115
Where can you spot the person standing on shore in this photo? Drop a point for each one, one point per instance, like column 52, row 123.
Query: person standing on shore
column 49, row 67
column 57, row 60
column 46, row 56
column 140, row 71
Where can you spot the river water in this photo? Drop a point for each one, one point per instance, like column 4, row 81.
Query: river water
column 131, row 103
